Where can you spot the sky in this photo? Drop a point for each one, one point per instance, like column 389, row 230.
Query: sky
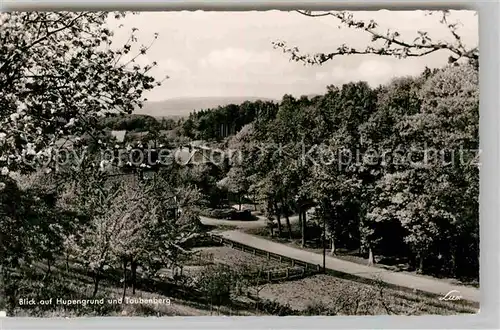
column 231, row 53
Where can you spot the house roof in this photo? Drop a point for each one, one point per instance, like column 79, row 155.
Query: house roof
column 119, row 135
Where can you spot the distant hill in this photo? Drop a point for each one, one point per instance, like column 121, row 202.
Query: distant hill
column 183, row 106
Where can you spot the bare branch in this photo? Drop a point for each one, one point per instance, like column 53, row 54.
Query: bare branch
column 393, row 44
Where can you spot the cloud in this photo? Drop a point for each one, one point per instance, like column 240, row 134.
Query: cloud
column 234, row 58
column 172, row 66
column 373, row 70
column 230, row 53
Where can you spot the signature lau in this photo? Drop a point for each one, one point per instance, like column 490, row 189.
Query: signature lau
column 453, row 295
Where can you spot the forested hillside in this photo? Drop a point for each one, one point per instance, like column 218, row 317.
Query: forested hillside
column 393, row 170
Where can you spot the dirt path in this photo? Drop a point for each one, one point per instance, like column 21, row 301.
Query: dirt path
column 400, row 279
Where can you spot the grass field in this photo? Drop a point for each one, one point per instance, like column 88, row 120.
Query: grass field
column 348, row 298
column 332, row 292
column 313, row 295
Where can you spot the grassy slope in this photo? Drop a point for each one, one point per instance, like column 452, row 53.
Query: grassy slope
column 300, row 294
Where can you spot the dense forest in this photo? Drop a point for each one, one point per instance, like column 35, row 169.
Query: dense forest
column 137, row 123
column 392, row 170
column 219, row 123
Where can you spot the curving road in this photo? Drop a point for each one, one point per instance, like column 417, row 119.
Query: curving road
column 425, row 284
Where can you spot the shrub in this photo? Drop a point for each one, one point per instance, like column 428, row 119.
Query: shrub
column 228, row 214
column 275, row 308
column 218, row 213
column 216, row 283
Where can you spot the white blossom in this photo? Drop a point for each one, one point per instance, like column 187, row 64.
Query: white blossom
column 103, row 164
column 70, row 123
column 5, row 171
column 14, row 116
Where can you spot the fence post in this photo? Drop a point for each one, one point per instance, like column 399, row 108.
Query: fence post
column 293, row 263
column 318, row 267
column 281, row 259
column 287, row 274
column 306, row 265
column 268, row 256
column 269, row 276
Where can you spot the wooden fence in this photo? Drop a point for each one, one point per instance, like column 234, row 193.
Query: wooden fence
column 310, row 269
column 297, row 269
column 280, row 274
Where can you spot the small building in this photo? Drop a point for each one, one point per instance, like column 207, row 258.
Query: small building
column 119, row 135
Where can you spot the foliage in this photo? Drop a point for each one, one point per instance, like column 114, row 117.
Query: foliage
column 59, row 73
column 388, row 43
column 227, row 214
column 224, row 121
column 133, row 122
column 216, row 283
column 348, row 151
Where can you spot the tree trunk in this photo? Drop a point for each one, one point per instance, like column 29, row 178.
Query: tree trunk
column 124, row 278
column 420, row 263
column 67, row 263
column 371, row 259
column 278, row 218
column 332, row 234
column 134, row 275
column 289, row 226
column 271, row 229
column 239, row 200
column 48, row 266
column 332, row 242
column 287, row 218
column 453, row 261
column 96, row 283
column 454, row 253
column 304, row 227
column 300, row 224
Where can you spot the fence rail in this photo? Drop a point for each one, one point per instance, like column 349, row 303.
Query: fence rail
column 281, row 274
column 297, row 269
column 311, row 269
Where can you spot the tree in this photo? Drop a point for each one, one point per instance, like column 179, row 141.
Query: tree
column 448, row 126
column 388, row 43
column 107, row 209
column 128, row 242
column 380, row 133
column 236, row 183
column 172, row 222
column 14, row 237
column 59, row 73
column 434, row 195
column 216, row 283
